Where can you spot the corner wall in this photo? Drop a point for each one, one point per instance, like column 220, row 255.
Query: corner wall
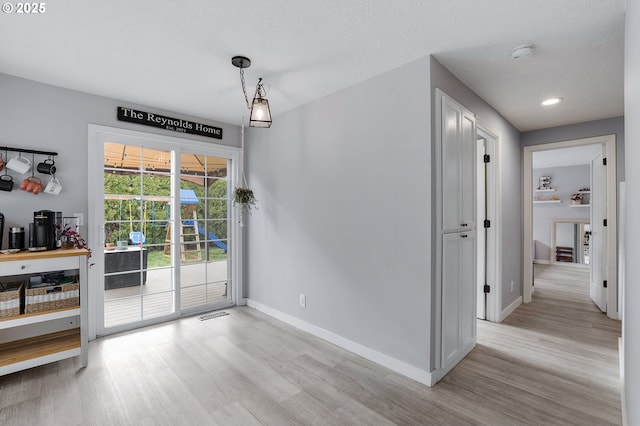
column 343, row 185
column 509, row 174
column 631, row 318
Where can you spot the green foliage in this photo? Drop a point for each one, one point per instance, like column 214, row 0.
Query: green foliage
column 244, row 199
column 129, row 213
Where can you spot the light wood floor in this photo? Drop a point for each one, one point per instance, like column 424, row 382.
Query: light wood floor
column 553, row 361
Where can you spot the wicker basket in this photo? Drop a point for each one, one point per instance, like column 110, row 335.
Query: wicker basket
column 11, row 299
column 51, row 297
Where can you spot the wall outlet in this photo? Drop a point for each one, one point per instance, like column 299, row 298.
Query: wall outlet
column 511, row 286
column 303, row 301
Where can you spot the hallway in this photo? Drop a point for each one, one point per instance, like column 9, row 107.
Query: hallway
column 553, row 361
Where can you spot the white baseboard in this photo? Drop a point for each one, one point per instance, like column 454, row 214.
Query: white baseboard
column 622, row 392
column 438, row 375
column 509, row 309
column 417, row 374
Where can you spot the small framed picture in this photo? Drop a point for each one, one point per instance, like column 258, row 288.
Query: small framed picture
column 545, row 182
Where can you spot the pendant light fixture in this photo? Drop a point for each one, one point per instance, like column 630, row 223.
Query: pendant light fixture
column 260, row 113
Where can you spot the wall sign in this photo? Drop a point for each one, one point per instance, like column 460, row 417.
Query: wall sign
column 168, row 123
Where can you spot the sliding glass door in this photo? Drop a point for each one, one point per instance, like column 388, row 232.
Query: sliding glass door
column 138, row 277
column 204, row 230
column 166, row 232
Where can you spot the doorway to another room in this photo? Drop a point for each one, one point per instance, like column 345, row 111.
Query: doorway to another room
column 570, row 217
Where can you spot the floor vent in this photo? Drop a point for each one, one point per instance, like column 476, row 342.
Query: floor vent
column 212, row 315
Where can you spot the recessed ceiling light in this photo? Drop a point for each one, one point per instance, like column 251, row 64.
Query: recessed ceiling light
column 551, row 101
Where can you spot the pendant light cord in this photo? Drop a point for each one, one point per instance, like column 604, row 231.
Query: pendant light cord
column 244, row 178
column 244, row 89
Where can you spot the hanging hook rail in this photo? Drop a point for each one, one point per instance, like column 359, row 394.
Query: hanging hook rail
column 28, row 151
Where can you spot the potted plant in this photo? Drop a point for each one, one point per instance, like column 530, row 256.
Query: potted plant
column 244, row 199
column 576, row 198
column 70, row 238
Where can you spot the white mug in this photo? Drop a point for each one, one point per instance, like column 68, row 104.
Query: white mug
column 19, row 164
column 53, row 187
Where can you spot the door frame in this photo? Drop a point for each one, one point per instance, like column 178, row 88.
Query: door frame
column 493, row 190
column 609, row 142
column 97, row 135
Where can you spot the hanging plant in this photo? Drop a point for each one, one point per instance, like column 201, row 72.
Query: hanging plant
column 244, row 199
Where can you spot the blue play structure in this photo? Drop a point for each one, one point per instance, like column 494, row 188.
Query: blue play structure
column 188, row 197
column 213, row 237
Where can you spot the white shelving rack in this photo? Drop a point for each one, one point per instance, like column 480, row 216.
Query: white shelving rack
column 49, row 346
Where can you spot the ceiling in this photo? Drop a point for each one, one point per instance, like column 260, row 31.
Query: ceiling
column 176, row 55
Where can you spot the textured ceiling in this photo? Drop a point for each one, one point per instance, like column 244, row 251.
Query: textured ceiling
column 176, row 55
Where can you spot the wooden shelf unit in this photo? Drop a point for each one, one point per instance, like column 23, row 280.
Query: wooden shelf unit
column 47, row 345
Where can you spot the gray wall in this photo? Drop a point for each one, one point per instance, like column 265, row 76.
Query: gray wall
column 509, row 170
column 39, row 116
column 631, row 320
column 609, row 126
column 343, row 185
column 566, row 180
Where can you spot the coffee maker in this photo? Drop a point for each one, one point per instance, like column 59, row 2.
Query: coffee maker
column 45, row 233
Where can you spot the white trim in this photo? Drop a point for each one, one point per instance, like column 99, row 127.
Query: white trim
column 542, row 261
column 609, row 141
column 623, row 398
column 509, row 309
column 438, row 374
column 552, row 253
column 98, row 134
column 436, row 303
column 387, row 361
column 494, row 209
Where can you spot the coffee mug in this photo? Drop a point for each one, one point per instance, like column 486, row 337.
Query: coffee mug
column 31, row 184
column 47, row 167
column 19, row 164
column 1, row 163
column 53, row 187
column 6, row 183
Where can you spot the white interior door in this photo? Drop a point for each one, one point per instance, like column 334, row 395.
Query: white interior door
column 481, row 241
column 598, row 233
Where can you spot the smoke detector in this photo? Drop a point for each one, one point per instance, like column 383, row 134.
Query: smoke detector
column 522, row 51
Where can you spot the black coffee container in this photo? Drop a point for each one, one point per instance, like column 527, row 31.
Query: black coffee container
column 16, row 238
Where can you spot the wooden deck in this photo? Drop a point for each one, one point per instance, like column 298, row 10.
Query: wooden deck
column 201, row 284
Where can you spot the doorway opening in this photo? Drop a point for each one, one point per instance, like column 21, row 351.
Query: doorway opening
column 570, row 213
column 163, row 232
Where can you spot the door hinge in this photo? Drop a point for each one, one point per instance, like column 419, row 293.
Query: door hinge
column 487, row 158
column 604, row 283
column 487, row 223
column 487, row 288
column 604, row 222
column 604, row 161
